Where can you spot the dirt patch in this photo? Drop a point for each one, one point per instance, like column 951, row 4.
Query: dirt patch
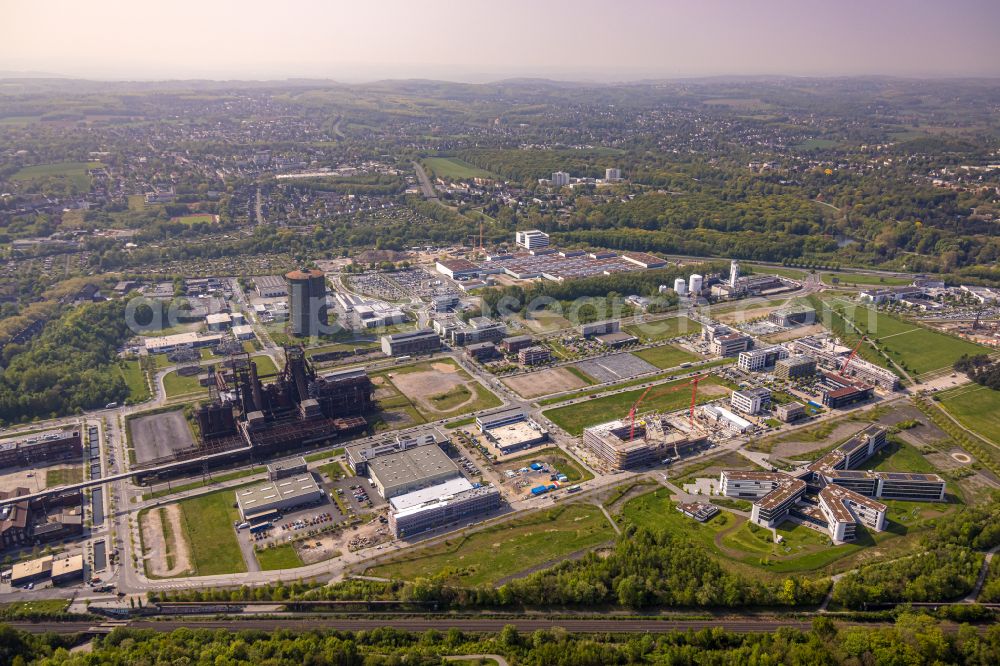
column 165, row 558
column 797, row 449
column 419, row 387
column 794, row 333
column 740, row 316
column 159, row 435
column 535, row 384
column 34, row 478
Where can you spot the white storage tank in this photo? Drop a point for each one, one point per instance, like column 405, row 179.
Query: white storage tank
column 695, row 283
column 680, row 286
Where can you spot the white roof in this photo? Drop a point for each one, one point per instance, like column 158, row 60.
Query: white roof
column 218, row 318
column 178, row 339
column 431, row 494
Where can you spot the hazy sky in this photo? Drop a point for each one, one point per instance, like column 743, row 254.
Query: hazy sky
column 473, row 40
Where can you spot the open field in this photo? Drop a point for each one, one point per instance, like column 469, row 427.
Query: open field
column 544, row 321
column 135, row 379
column 666, row 397
column 280, row 557
column 75, row 172
column 159, row 435
column 488, row 556
column 793, row 273
column 898, row 456
column 666, row 356
column 664, row 329
column 63, row 475
column 165, row 551
column 454, row 168
column 170, row 489
column 976, row 407
column 915, row 348
column 175, row 384
column 206, row 218
column 860, row 279
column 207, row 522
column 428, row 391
column 544, row 382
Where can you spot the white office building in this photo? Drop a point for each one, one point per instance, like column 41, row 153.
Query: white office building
column 560, row 178
column 532, row 239
column 612, row 175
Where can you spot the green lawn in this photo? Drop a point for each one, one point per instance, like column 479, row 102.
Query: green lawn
column 977, row 408
column 75, row 172
column 898, row 456
column 454, row 168
column 195, row 218
column 793, row 273
column 447, row 403
column 320, row 455
column 175, row 384
column 665, row 397
column 280, row 557
column 666, row 356
column 208, row 527
column 63, row 477
column 664, row 329
column 490, row 555
column 215, row 478
column 863, row 279
column 135, row 379
column 265, row 366
column 655, row 510
column 913, row 347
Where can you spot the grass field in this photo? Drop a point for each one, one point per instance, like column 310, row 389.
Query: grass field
column 175, row 384
column 195, row 218
column 454, row 168
column 215, row 478
column 488, row 556
column 793, row 273
column 898, row 456
column 75, row 172
column 208, row 527
column 426, row 400
column 62, row 477
column 135, row 379
column 863, row 279
column 664, row 397
column 915, row 348
column 976, row 407
column 666, row 356
column 664, row 329
column 280, row 557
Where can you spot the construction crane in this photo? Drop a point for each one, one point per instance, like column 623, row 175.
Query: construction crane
column 850, row 356
column 631, row 413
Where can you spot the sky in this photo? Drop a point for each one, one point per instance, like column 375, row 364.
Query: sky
column 479, row 40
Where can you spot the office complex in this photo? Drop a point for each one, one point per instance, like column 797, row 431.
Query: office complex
column 447, row 503
column 751, row 401
column 511, row 430
column 794, row 367
column 731, row 344
column 534, row 355
column 533, row 239
column 423, row 341
column 358, row 455
column 828, row 354
column 307, row 302
column 787, row 318
column 762, row 358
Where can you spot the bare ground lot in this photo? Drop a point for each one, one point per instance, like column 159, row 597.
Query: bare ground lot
column 159, row 435
column 794, row 333
column 420, row 387
column 799, row 446
column 739, row 316
column 535, row 384
column 32, row 478
column 164, row 557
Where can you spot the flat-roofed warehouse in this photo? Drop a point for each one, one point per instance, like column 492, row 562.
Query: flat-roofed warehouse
column 413, row 469
column 280, row 495
column 511, row 430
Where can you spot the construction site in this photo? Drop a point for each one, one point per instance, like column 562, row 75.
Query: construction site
column 637, row 441
column 254, row 416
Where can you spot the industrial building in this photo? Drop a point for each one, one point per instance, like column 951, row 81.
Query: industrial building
column 720, row 416
column 762, row 358
column 41, row 447
column 790, row 317
column 751, row 401
column 533, row 238
column 644, row 259
column 286, row 468
column 280, row 496
column 458, row 269
column 411, row 469
column 307, row 302
column 270, row 286
column 511, row 430
column 67, row 570
column 358, row 455
column 31, row 571
column 422, row 341
column 447, row 503
column 653, row 438
column 164, row 344
column 795, row 367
